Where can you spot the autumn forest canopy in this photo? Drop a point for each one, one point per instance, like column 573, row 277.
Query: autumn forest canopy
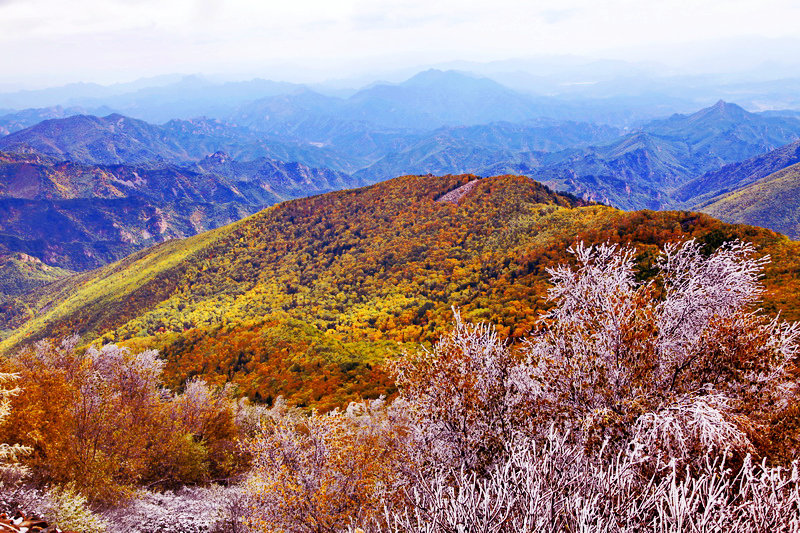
column 646, row 396
column 305, row 300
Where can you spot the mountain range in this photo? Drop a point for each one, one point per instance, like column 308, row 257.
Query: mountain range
column 642, row 169
column 78, row 191
column 80, row 216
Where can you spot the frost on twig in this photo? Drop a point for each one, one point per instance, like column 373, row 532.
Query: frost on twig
column 614, row 350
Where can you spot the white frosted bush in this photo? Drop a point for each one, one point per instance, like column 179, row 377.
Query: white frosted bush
column 190, row 510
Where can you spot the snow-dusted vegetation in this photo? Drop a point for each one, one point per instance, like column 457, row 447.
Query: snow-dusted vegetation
column 642, row 401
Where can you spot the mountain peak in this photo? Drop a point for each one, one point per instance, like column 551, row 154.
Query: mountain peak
column 219, row 158
column 721, row 114
column 723, row 109
column 115, row 117
column 435, row 76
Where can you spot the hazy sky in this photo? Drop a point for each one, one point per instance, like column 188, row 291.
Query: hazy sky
column 45, row 42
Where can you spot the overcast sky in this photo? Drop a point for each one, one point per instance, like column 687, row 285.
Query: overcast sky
column 46, row 42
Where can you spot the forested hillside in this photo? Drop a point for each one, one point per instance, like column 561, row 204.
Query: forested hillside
column 771, row 202
column 306, row 298
column 738, row 175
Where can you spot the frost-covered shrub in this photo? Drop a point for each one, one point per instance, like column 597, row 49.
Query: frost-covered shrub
column 636, row 406
column 61, row 507
column 190, row 510
column 468, row 396
column 616, row 355
column 20, row 497
column 321, row 472
column 559, row 486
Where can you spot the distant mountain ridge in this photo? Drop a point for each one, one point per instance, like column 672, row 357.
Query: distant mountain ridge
column 81, row 216
column 737, row 175
column 19, row 120
column 325, row 141
column 656, row 166
column 485, row 149
column 646, row 168
column 109, row 140
column 640, row 169
column 116, row 139
column 762, row 191
column 155, row 100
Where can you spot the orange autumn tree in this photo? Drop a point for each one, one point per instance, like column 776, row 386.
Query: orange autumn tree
column 10, row 454
column 100, row 421
column 91, row 417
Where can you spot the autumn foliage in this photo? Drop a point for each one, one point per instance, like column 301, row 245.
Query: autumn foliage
column 307, row 299
column 634, row 405
column 320, row 472
column 644, row 399
column 615, row 354
column 100, row 421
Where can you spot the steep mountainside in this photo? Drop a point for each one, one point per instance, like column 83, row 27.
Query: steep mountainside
column 636, row 171
column 645, row 168
column 737, row 175
column 304, row 299
column 34, row 177
column 488, row 149
column 19, row 275
column 88, row 139
column 81, row 216
column 771, row 202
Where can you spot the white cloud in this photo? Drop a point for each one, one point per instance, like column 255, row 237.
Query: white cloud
column 107, row 39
